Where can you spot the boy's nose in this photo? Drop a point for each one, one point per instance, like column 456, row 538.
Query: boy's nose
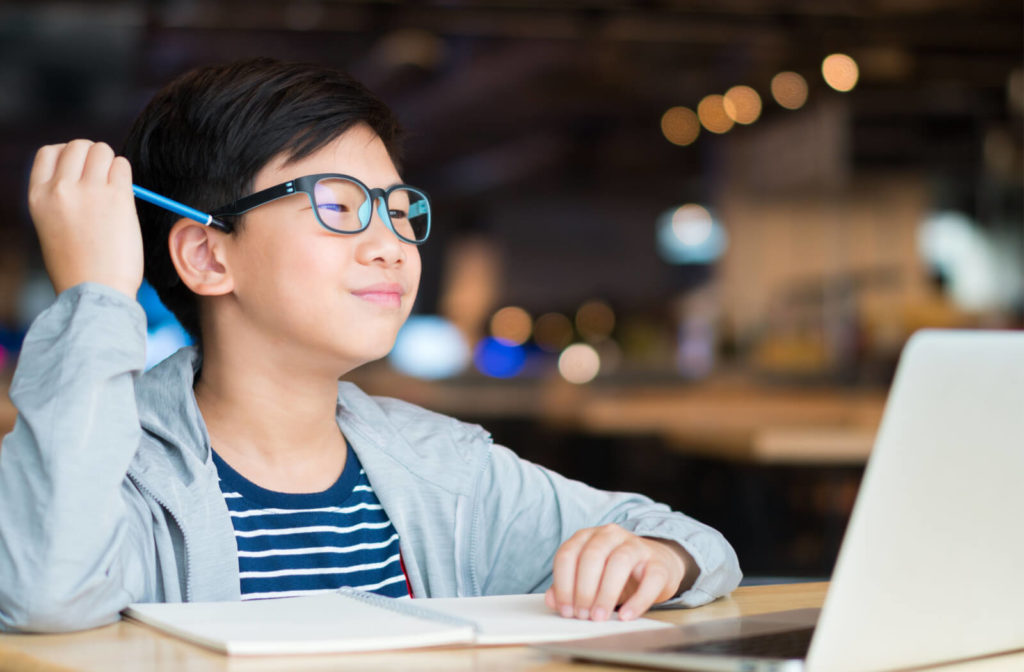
column 378, row 242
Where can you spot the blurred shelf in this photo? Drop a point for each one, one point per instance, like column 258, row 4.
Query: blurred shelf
column 729, row 418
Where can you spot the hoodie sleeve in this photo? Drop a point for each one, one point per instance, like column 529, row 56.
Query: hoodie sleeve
column 65, row 509
column 526, row 512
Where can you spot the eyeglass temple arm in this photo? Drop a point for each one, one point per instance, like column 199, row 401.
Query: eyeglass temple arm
column 251, row 201
column 418, row 208
column 179, row 208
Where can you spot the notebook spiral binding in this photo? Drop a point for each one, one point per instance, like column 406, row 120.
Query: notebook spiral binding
column 408, row 608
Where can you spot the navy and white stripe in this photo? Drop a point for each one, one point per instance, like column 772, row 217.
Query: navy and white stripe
column 295, row 544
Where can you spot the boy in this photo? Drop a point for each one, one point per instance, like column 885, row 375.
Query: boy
column 241, row 468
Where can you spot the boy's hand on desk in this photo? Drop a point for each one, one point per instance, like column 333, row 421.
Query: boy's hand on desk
column 601, row 567
column 82, row 204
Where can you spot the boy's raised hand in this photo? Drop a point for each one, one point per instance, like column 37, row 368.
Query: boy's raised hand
column 601, row 567
column 81, row 200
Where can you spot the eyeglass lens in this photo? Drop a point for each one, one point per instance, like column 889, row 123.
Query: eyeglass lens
column 343, row 205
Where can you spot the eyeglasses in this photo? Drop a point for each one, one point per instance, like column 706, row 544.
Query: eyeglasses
column 343, row 204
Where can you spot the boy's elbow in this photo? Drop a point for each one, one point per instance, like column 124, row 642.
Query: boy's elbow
column 51, row 620
column 42, row 612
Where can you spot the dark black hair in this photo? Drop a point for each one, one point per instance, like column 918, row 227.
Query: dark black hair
column 203, row 138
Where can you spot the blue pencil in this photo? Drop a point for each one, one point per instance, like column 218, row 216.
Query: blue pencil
column 177, row 208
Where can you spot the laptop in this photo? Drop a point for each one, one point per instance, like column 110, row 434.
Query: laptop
column 931, row 567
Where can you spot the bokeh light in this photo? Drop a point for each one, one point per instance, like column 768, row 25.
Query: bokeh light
column 691, row 223
column 552, row 332
column 579, row 363
column 742, row 104
column 595, row 320
column 711, row 112
column 498, row 359
column 789, row 90
column 680, row 126
column 840, row 72
column 431, row 347
column 512, row 325
column 978, row 274
column 689, row 234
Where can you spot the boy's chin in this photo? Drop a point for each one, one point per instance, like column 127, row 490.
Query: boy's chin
column 364, row 361
column 346, row 362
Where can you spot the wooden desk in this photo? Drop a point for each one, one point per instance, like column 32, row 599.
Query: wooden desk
column 130, row 647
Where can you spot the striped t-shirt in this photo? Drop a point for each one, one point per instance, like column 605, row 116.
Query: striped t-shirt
column 294, row 544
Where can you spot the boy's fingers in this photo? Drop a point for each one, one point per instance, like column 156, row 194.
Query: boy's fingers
column 589, row 569
column 591, row 566
column 45, row 163
column 564, row 571
column 72, row 160
column 97, row 163
column 655, row 576
column 120, row 172
column 617, row 571
column 549, row 598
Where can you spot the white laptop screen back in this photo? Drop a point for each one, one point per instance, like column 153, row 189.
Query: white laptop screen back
column 932, row 564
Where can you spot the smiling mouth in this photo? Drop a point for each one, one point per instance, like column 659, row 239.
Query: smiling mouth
column 386, row 299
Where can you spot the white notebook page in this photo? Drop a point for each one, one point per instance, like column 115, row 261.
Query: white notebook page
column 324, row 623
column 339, row 622
column 526, row 619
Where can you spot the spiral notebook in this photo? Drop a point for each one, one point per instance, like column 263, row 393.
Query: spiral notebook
column 350, row 621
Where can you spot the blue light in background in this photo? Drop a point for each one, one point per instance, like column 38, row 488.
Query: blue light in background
column 690, row 234
column 163, row 341
column 164, row 334
column 499, row 359
column 430, row 347
column 156, row 312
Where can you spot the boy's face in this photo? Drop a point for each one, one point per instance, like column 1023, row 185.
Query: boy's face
column 329, row 300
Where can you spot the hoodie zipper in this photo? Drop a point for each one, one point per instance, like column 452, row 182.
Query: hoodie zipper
column 177, row 521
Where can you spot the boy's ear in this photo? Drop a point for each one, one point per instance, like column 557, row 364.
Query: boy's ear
column 199, row 256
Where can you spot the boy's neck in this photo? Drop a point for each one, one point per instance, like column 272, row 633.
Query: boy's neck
column 271, row 421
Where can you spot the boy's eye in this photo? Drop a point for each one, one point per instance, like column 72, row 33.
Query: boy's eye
column 333, row 207
column 397, row 214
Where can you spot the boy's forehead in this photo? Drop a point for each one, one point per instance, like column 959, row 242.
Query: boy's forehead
column 358, row 151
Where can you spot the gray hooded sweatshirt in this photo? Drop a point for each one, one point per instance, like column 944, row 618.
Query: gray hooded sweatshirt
column 108, row 494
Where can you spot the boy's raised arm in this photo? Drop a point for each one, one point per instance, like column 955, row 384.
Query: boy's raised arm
column 64, row 523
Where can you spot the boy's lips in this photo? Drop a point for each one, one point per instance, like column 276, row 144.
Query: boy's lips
column 383, row 293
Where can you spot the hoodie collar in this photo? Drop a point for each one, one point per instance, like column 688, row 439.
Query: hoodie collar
column 435, row 447
column 167, row 404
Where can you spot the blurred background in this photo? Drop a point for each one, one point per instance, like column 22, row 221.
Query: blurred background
column 677, row 245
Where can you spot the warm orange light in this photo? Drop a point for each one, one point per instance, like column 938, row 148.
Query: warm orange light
column 789, row 90
column 552, row 332
column 595, row 320
column 512, row 324
column 712, row 114
column 742, row 104
column 680, row 125
column 840, row 72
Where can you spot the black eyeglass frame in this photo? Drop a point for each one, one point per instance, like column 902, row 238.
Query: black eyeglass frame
column 307, row 184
